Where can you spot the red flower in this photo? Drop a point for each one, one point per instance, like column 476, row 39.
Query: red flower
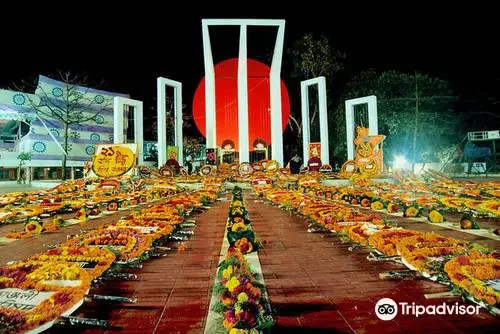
column 463, row 260
column 445, row 251
column 54, row 251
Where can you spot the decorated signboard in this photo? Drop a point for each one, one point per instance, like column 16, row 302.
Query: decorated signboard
column 314, row 150
column 172, row 152
column 211, row 156
column 368, row 160
column 113, row 160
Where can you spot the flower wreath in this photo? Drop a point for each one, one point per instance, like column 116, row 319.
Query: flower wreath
column 427, row 249
column 472, row 272
column 95, row 260
column 128, row 243
column 386, row 241
column 28, row 279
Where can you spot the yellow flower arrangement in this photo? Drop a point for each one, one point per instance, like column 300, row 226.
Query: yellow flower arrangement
column 392, row 208
column 386, row 241
column 238, row 227
column 411, row 211
column 33, row 227
column 242, row 297
column 99, row 260
column 361, row 231
column 491, row 206
column 153, row 228
column 244, row 245
column 228, row 272
column 237, row 203
column 81, row 214
column 453, row 202
column 232, row 284
column 131, row 244
column 422, row 250
column 377, row 205
column 435, row 217
column 470, row 272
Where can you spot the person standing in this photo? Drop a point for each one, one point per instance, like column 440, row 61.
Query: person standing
column 189, row 163
column 295, row 164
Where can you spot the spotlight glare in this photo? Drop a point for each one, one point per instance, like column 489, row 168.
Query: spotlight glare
column 399, row 162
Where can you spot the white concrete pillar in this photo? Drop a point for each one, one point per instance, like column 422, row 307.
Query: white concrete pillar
column 161, row 110
column 275, row 87
column 275, row 81
column 243, row 134
column 178, row 123
column 323, row 118
column 306, row 137
column 210, row 125
column 372, row 120
column 118, row 137
column 323, row 121
column 161, row 121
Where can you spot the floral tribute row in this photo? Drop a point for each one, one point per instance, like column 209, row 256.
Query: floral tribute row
column 241, row 302
column 470, row 269
column 415, row 198
column 60, row 277
column 85, row 200
column 240, row 234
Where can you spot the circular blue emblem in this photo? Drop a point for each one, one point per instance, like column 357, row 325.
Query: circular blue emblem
column 57, row 92
column 90, row 150
column 99, row 99
column 19, row 99
column 99, row 119
column 95, row 137
column 54, row 132
column 39, row 147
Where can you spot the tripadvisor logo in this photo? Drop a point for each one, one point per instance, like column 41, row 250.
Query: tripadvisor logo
column 387, row 309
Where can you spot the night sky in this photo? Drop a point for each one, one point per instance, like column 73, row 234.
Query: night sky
column 459, row 45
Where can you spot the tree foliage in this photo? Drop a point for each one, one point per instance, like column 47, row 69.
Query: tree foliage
column 400, row 96
column 192, row 146
column 312, row 57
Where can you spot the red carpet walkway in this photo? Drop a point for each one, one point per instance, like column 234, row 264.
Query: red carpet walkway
column 173, row 292
column 317, row 285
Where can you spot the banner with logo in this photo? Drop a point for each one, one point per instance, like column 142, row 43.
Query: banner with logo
column 112, row 160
